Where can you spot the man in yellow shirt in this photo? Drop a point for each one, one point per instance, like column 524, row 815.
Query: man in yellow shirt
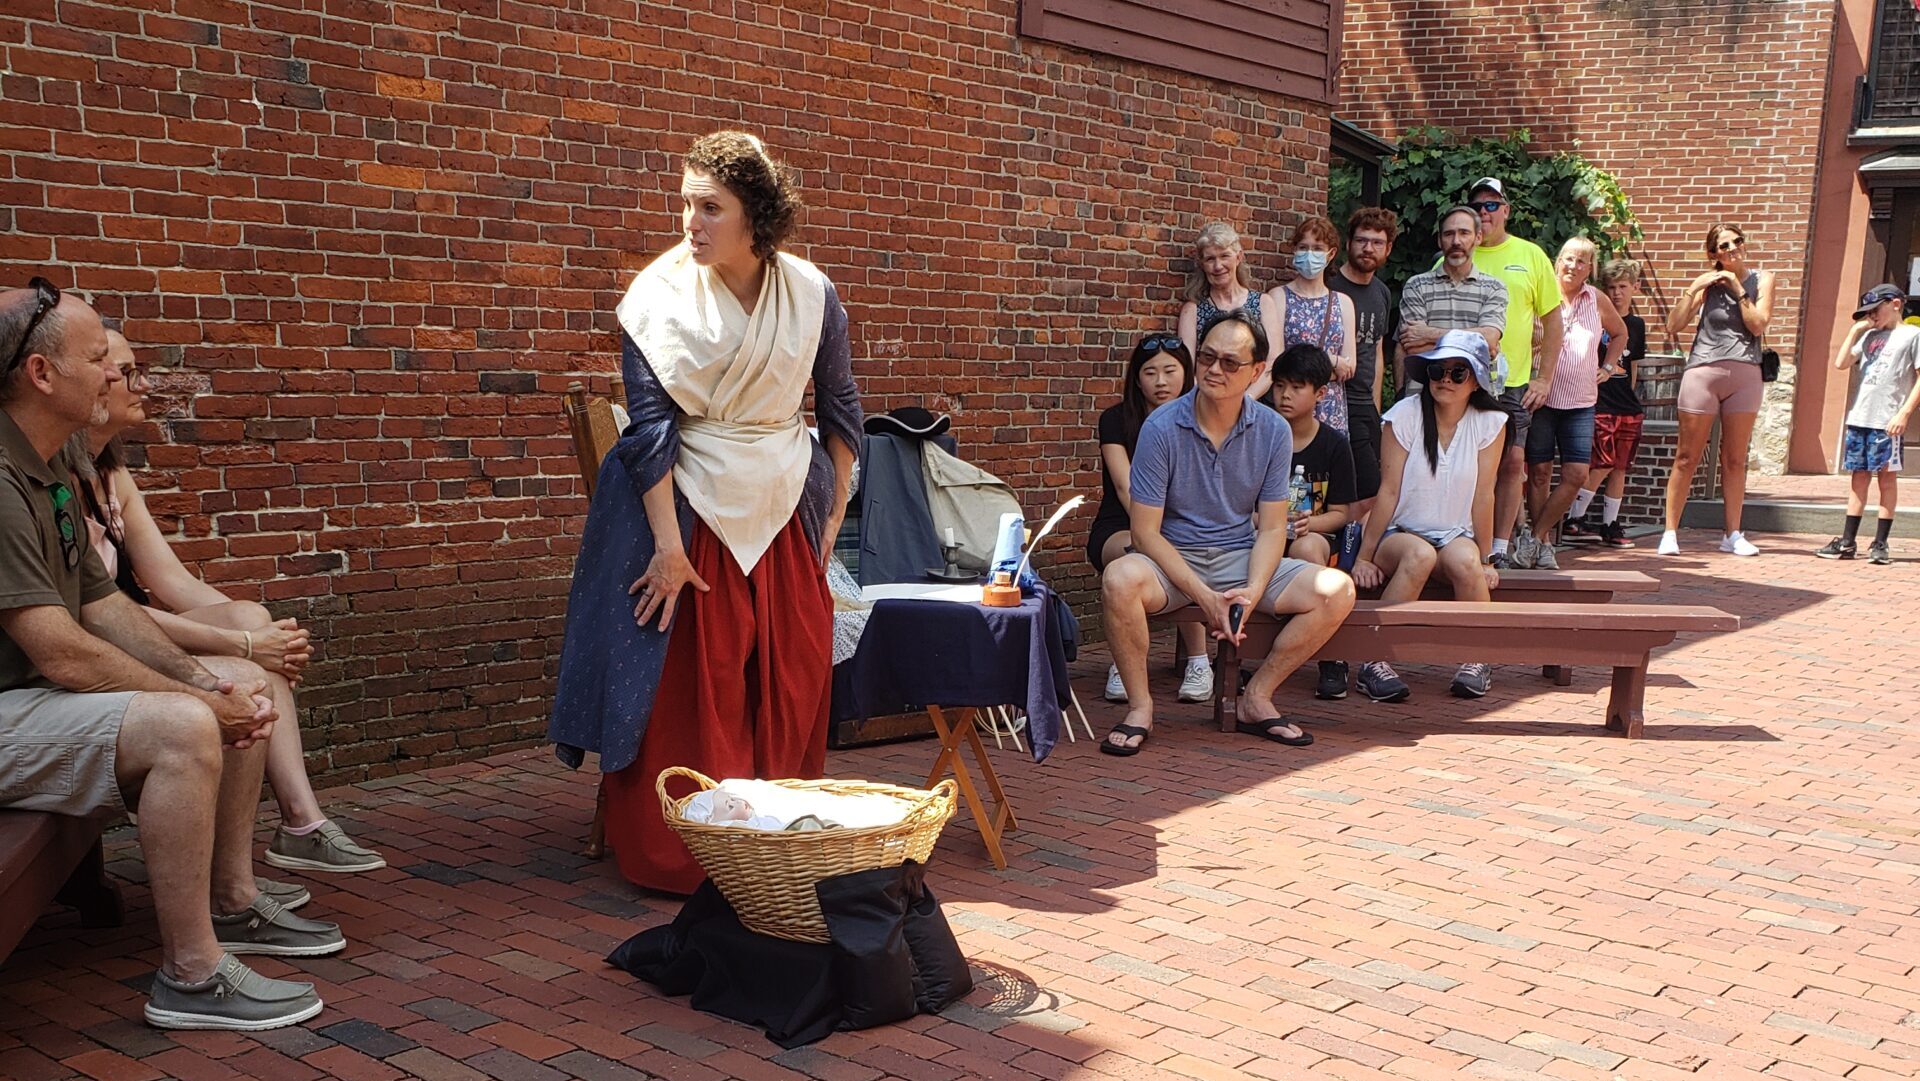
column 1533, row 293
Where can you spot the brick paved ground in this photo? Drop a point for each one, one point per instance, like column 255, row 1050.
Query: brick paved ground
column 1440, row 887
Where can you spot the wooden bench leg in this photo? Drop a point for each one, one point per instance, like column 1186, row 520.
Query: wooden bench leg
column 1626, row 703
column 1560, row 674
column 1226, row 686
column 90, row 890
column 952, row 735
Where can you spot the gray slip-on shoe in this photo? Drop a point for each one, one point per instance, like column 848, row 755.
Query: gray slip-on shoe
column 235, row 997
column 267, row 928
column 288, row 895
column 326, row 849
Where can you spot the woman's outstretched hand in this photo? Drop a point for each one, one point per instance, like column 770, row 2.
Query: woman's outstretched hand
column 659, row 588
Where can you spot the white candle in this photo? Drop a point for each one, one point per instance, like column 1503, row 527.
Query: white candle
column 950, row 543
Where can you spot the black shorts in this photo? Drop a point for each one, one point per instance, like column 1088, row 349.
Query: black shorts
column 1097, row 539
column 1363, row 435
column 1519, row 417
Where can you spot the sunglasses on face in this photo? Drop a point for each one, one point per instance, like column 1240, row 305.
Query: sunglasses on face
column 1736, row 242
column 1206, row 358
column 63, row 524
column 1488, row 207
column 46, row 298
column 1440, row 371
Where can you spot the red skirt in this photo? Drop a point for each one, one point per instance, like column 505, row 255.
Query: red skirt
column 743, row 693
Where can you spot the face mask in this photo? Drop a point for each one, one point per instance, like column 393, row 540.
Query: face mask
column 1310, row 263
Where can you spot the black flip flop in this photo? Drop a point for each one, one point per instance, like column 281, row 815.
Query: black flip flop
column 1126, row 731
column 1267, row 730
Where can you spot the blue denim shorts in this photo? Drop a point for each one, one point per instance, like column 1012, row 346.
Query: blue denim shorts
column 1869, row 450
column 1566, row 434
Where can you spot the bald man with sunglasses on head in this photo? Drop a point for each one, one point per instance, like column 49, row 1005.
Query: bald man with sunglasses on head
column 101, row 714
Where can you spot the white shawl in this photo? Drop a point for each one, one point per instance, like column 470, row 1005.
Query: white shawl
column 740, row 379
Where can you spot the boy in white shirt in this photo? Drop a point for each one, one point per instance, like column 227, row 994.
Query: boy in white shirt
column 1888, row 353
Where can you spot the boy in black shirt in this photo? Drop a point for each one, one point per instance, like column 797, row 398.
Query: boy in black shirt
column 1617, row 418
column 1299, row 375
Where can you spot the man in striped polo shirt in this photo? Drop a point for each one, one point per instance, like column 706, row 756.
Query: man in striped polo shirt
column 1456, row 295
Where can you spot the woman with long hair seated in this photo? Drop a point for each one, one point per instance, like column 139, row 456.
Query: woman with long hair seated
column 1159, row 370
column 1438, row 463
column 204, row 621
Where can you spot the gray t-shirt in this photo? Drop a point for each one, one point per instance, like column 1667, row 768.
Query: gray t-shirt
column 1888, row 360
column 1209, row 495
column 1723, row 334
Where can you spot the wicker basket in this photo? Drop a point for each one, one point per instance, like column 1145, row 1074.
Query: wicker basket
column 768, row 876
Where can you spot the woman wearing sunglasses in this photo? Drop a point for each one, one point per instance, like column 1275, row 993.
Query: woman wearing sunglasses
column 1721, row 379
column 203, row 621
column 1439, row 458
column 1159, row 370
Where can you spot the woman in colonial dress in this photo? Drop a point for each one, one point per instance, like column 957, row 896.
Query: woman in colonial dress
column 699, row 628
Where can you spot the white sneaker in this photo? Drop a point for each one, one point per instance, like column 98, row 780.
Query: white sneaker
column 1197, row 684
column 1736, row 543
column 1116, row 691
column 1669, row 543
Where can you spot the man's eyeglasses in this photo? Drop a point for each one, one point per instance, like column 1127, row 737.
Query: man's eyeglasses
column 1167, row 344
column 1207, row 358
column 137, row 377
column 1736, row 242
column 46, row 298
column 1488, row 207
column 1453, row 373
column 63, row 523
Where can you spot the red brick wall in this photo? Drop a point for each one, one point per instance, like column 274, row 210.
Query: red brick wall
column 1704, row 112
column 376, row 240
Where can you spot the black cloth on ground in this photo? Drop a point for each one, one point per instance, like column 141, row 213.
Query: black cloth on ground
column 891, row 955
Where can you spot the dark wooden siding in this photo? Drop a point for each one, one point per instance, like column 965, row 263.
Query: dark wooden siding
column 1288, row 46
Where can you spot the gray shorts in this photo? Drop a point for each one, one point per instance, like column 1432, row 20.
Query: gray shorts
column 1223, row 569
column 58, row 749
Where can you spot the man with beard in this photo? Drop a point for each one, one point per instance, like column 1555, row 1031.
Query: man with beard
column 1370, row 234
column 1456, row 295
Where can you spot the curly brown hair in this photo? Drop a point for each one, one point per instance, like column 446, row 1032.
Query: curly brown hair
column 769, row 190
column 1375, row 218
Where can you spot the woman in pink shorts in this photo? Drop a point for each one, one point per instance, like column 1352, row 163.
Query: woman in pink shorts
column 1722, row 379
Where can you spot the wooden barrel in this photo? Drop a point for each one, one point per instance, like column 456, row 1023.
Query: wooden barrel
column 1657, row 379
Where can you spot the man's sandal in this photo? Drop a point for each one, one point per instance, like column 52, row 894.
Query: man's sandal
column 1125, row 731
column 1270, row 729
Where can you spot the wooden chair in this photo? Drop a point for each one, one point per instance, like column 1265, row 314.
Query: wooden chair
column 595, row 429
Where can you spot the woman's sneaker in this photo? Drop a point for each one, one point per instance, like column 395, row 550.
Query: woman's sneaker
column 1196, row 683
column 1614, row 535
column 1669, row 543
column 1837, row 549
column 234, row 998
column 1472, row 681
column 1878, row 555
column 1737, row 544
column 325, row 848
column 1381, row 683
column 1333, row 680
column 1577, row 531
column 1116, row 691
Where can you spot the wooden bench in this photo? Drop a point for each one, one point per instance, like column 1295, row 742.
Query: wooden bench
column 1617, row 636
column 45, row 858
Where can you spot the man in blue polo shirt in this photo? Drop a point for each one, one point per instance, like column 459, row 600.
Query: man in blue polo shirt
column 1209, row 522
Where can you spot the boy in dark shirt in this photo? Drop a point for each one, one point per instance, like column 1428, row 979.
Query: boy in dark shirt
column 1617, row 418
column 1299, row 375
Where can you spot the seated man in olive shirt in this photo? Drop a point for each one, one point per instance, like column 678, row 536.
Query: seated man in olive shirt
column 100, row 713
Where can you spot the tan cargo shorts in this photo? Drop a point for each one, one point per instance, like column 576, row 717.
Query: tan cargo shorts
column 58, row 750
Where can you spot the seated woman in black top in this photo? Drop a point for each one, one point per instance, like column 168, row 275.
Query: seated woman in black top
column 1160, row 370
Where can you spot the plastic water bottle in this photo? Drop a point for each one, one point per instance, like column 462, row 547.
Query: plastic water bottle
column 1299, row 497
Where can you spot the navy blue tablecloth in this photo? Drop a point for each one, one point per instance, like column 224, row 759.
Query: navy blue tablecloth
column 917, row 653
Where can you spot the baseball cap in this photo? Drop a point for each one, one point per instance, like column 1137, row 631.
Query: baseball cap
column 1877, row 296
column 1491, row 183
column 1464, row 345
